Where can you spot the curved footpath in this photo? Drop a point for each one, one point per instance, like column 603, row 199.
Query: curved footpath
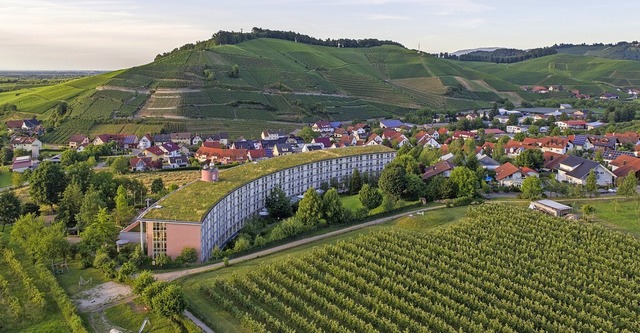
column 170, row 276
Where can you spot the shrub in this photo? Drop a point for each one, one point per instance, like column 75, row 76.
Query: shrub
column 125, row 272
column 144, row 279
column 163, row 259
column 188, row 255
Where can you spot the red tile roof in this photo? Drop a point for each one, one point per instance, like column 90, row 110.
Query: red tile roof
column 505, row 171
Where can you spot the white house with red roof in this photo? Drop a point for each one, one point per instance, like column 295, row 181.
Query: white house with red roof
column 322, row 127
column 510, row 175
column 27, row 143
column 145, row 142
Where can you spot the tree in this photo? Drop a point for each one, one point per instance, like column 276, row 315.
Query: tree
column 408, row 162
column 69, row 157
column 531, row 158
column 234, row 72
column 122, row 213
column 10, row 208
column 6, row 155
column 393, row 180
column 80, row 173
column 531, row 188
column 587, row 210
column 464, row 180
column 47, row 183
column 333, row 210
column 591, row 183
column 509, row 105
column 310, row 208
column 519, row 136
column 307, row 134
column 277, row 203
column 41, row 242
column 70, row 205
column 91, row 205
column 188, row 255
column 627, row 185
column 102, row 231
column 355, row 184
column 169, row 302
column 416, row 188
column 157, row 186
column 120, row 165
column 370, row 197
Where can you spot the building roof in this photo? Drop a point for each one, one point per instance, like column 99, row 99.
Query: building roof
column 506, row 170
column 554, row 204
column 487, row 161
column 23, row 140
column 180, row 136
column 78, row 138
column 326, row 142
column 192, row 202
column 579, row 140
column 437, row 169
column 133, row 162
column 391, row 123
column 581, row 166
column 13, row 124
column 611, row 155
column 155, row 150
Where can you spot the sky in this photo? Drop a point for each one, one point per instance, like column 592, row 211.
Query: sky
column 114, row 34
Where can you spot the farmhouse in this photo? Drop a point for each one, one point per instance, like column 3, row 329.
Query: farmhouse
column 27, row 143
column 208, row 214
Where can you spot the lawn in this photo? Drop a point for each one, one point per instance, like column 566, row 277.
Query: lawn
column 221, row 321
column 618, row 214
column 353, row 203
column 5, row 177
column 131, row 316
column 69, row 280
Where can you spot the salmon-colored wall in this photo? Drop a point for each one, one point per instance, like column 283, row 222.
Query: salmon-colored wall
column 180, row 236
column 148, row 231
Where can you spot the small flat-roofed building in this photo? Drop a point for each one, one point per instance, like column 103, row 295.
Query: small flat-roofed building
column 551, row 207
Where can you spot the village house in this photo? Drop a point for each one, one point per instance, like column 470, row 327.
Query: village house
column 575, row 169
column 23, row 163
column 392, row 124
column 77, row 140
column 282, row 149
column 196, row 140
column 141, row 163
column 312, row 147
column 221, row 156
column 442, row 168
column 183, row 138
column 257, row 154
column 510, row 175
column 555, row 144
column 145, row 142
column 572, row 124
column 272, row 135
column 323, row 127
column 160, row 139
column 27, row 143
column 154, row 152
column 324, row 142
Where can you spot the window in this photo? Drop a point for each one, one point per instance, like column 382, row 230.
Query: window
column 159, row 238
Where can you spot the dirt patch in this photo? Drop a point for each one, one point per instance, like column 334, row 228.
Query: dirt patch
column 100, row 295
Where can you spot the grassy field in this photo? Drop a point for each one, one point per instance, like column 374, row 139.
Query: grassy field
column 617, row 214
column 5, row 177
column 221, row 321
column 131, row 315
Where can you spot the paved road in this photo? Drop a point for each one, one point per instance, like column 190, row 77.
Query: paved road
column 170, row 276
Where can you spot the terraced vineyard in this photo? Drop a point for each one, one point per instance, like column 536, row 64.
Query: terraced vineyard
column 507, row 269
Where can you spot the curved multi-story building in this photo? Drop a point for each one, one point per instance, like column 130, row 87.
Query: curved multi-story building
column 204, row 214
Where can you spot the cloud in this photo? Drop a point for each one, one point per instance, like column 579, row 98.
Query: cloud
column 383, row 17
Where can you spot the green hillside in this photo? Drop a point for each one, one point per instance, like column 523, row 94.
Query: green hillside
column 621, row 51
column 284, row 82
